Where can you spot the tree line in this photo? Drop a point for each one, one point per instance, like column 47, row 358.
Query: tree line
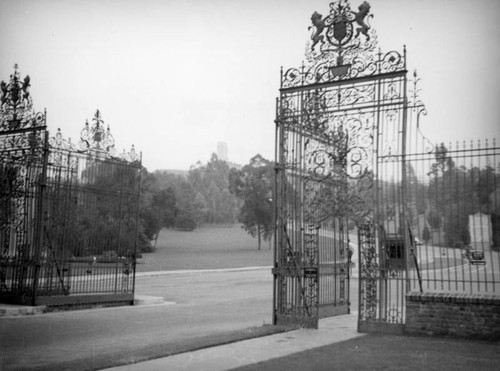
column 216, row 193
column 449, row 196
column 211, row 193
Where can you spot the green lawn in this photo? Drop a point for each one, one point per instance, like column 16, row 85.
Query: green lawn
column 205, row 248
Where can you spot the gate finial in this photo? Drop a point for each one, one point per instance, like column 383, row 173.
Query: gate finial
column 96, row 139
column 16, row 105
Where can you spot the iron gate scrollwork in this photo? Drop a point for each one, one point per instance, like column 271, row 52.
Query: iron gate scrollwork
column 23, row 141
column 337, row 117
column 68, row 212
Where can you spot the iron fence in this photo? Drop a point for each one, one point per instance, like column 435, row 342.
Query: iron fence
column 453, row 212
column 436, row 220
column 349, row 147
column 68, row 213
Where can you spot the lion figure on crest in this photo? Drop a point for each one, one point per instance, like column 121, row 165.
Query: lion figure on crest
column 360, row 16
column 319, row 24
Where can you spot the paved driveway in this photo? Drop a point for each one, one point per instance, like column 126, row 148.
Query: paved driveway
column 207, row 305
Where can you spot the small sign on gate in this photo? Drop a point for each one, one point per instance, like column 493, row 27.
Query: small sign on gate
column 310, row 272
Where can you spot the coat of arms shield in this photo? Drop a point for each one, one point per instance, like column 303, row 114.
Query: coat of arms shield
column 339, row 29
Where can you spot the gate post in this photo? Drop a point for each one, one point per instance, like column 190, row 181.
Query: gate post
column 368, row 274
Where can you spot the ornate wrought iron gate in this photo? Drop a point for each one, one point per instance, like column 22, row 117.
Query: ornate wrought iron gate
column 68, row 213
column 340, row 119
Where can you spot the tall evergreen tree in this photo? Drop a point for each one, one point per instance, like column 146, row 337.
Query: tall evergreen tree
column 253, row 185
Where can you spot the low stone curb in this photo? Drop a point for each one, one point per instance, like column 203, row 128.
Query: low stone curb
column 149, row 300
column 7, row 310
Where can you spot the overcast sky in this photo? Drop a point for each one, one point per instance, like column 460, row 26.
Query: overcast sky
column 174, row 77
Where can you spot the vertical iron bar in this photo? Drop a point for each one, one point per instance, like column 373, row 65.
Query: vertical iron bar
column 404, row 182
column 136, row 237
column 496, row 206
column 40, row 215
column 277, row 163
column 376, row 189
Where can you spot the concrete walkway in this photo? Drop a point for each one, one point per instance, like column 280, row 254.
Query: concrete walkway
column 252, row 351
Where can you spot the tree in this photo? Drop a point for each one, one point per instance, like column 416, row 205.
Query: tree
column 164, row 202
column 185, row 202
column 211, row 181
column 457, row 192
column 200, row 208
column 456, row 227
column 183, row 212
column 443, row 161
column 434, row 219
column 160, row 212
column 253, row 185
column 426, row 234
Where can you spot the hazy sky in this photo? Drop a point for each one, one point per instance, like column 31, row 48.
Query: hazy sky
column 174, row 77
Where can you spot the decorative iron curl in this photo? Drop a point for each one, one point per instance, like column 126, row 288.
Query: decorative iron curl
column 319, row 160
column 391, row 61
column 24, row 147
column 418, row 109
column 360, row 132
column 357, row 158
column 363, row 67
column 292, row 77
column 287, row 107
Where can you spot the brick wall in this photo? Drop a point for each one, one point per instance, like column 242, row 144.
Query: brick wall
column 458, row 315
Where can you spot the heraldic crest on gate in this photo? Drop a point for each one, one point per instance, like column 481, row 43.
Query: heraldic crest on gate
column 336, row 115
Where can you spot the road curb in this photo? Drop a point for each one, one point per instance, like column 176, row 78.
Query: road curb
column 193, row 271
column 8, row 310
column 221, row 270
column 148, row 300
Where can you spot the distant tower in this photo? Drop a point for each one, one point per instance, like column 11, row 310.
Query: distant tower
column 222, row 151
